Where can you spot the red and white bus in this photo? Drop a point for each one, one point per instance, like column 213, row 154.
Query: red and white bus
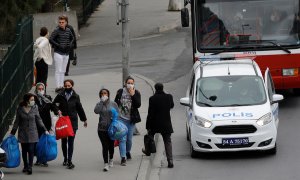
column 268, row 29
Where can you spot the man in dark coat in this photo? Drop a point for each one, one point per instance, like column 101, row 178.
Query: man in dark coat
column 159, row 119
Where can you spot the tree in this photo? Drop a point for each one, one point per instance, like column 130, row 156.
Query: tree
column 11, row 11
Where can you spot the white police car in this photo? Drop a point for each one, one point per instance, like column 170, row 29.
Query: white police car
column 230, row 106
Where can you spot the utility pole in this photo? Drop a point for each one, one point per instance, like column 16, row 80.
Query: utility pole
column 125, row 36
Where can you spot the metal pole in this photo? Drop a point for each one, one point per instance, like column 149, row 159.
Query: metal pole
column 125, row 39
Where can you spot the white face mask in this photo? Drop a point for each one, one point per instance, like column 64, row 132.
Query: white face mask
column 41, row 92
column 104, row 98
column 129, row 86
column 31, row 103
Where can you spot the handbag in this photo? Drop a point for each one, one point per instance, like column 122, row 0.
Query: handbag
column 117, row 129
column 46, row 148
column 149, row 144
column 63, row 127
column 11, row 146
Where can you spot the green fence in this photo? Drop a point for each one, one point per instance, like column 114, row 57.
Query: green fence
column 16, row 73
column 88, row 7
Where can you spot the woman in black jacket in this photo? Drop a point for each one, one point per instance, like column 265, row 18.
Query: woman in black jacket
column 43, row 101
column 69, row 104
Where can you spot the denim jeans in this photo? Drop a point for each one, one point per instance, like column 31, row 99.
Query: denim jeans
column 122, row 147
column 130, row 127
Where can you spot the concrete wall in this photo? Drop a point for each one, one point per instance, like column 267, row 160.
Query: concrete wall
column 50, row 21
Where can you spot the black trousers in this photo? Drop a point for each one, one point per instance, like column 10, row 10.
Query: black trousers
column 41, row 72
column 67, row 146
column 107, row 145
column 167, row 142
column 27, row 154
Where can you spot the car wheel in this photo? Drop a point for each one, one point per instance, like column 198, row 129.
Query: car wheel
column 272, row 151
column 192, row 151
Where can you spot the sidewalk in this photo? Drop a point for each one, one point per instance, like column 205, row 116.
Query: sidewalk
column 88, row 151
column 146, row 17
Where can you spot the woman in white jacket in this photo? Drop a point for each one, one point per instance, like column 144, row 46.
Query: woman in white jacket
column 42, row 56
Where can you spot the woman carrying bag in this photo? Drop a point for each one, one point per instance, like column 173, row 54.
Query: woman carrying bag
column 27, row 119
column 69, row 104
column 103, row 108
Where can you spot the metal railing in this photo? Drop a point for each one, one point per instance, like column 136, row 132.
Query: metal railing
column 16, row 73
column 88, row 7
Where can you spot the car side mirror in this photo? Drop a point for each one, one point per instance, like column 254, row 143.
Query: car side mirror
column 277, row 98
column 185, row 101
column 185, row 17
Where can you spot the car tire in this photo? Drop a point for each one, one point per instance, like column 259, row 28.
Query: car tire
column 192, row 151
column 272, row 151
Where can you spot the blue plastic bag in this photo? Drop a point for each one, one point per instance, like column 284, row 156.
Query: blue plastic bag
column 46, row 148
column 11, row 146
column 117, row 130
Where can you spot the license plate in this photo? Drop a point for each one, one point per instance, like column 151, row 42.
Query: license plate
column 235, row 141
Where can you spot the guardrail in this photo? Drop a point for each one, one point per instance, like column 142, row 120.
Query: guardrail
column 16, row 73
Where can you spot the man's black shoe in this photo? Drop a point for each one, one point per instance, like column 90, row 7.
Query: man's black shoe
column 145, row 152
column 170, row 164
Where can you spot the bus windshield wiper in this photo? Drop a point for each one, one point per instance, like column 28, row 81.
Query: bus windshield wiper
column 226, row 50
column 280, row 47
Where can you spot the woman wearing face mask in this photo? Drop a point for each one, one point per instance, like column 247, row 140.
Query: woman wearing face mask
column 129, row 100
column 45, row 105
column 68, row 103
column 26, row 122
column 103, row 108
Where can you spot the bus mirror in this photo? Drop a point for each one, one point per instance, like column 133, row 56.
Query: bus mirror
column 185, row 17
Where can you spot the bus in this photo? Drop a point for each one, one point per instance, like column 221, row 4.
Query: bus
column 266, row 29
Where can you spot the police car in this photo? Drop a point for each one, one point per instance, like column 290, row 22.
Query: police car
column 230, row 106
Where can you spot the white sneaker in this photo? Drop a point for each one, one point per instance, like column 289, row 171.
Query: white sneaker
column 106, row 167
column 111, row 163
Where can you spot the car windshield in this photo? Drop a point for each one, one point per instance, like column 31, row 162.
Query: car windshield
column 250, row 24
column 222, row 91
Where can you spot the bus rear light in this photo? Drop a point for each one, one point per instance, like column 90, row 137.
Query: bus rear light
column 290, row 72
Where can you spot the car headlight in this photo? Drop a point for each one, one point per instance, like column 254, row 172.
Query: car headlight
column 202, row 122
column 265, row 119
